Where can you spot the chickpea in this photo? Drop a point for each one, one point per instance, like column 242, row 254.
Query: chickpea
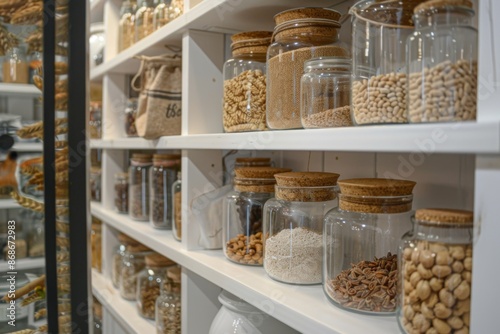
column 424, row 273
column 455, row 322
column 441, row 271
column 457, row 252
column 415, row 278
column 468, row 263
column 426, row 258
column 441, row 326
column 441, row 311
column 453, row 281
column 446, row 298
column 421, row 323
column 457, row 266
column 436, row 284
column 423, row 290
column 443, row 258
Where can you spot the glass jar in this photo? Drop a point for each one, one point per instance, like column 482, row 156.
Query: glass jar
column 95, row 183
column 379, row 32
column 436, row 261
column 130, row 114
column 97, row 308
column 300, row 34
column 144, row 19
column 20, row 313
column 95, row 120
column 97, row 44
column 177, row 208
column 326, row 93
column 242, row 219
column 168, row 305
column 35, row 62
column 176, row 9
column 121, row 192
column 133, row 263
column 361, row 240
column 126, row 25
column 149, row 283
column 244, row 100
column 163, row 173
column 293, row 226
column 139, row 186
column 15, row 66
column 442, row 63
column 96, row 243
column 118, row 257
column 161, row 14
column 36, row 238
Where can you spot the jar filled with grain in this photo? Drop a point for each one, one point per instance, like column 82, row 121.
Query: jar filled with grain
column 15, row 66
column 149, row 283
column 300, row 34
column 139, row 186
column 96, row 244
column 244, row 100
column 442, row 63
column 361, row 244
column 95, row 184
column 133, row 263
column 326, row 93
column 436, row 261
column 121, row 192
column 144, row 19
column 163, row 175
column 379, row 32
column 177, row 208
column 168, row 304
column 293, row 226
column 126, row 25
column 117, row 259
column 242, row 220
column 175, row 9
column 161, row 14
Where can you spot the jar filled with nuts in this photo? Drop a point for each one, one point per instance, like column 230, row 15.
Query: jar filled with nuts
column 149, row 283
column 138, row 188
column 121, row 192
column 126, row 25
column 177, row 208
column 293, row 226
column 163, row 174
column 436, row 261
column 168, row 305
column 133, row 263
column 144, row 19
column 130, row 114
column 361, row 244
column 242, row 220
column 244, row 101
column 442, row 63
column 161, row 14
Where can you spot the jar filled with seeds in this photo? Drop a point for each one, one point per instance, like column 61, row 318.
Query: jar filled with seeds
column 326, row 93
column 293, row 226
column 379, row 32
column 95, row 184
column 117, row 259
column 361, row 244
column 242, row 220
column 168, row 304
column 161, row 14
column 139, row 186
column 15, row 66
column 149, row 283
column 163, row 175
column 130, row 114
column 244, row 101
column 96, row 244
column 300, row 34
column 144, row 19
column 442, row 63
column 176, row 9
column 121, row 192
column 133, row 263
column 436, row 261
column 126, row 25
column 177, row 208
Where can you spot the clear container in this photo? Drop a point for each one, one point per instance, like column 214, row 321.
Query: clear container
column 36, row 236
column 121, row 192
column 96, row 244
column 361, row 243
column 293, row 226
column 325, row 90
column 177, row 208
column 15, row 66
column 436, row 261
column 130, row 115
column 20, row 313
column 379, row 32
column 133, row 263
column 97, row 44
column 139, row 186
column 149, row 283
column 168, row 305
column 95, row 184
column 300, row 34
column 126, row 25
column 442, row 63
column 95, row 120
column 144, row 19
column 35, row 62
column 117, row 259
column 163, row 174
column 242, row 219
column 244, row 99
column 161, row 14
column 176, row 9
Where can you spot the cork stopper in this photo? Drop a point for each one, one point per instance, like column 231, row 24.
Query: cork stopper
column 376, row 187
column 259, row 172
column 126, row 240
column 141, row 157
column 306, row 13
column 445, row 217
column 441, row 4
column 174, row 274
column 166, row 159
column 306, row 179
column 158, row 260
column 138, row 248
column 306, row 186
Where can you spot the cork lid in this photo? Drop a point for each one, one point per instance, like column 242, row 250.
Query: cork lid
column 142, row 157
column 306, row 13
column 166, row 156
column 138, row 248
column 306, row 179
column 253, row 160
column 436, row 216
column 438, row 4
column 376, row 187
column 251, row 42
column 158, row 260
column 126, row 240
column 259, row 172
column 174, row 273
column 306, row 186
column 249, row 35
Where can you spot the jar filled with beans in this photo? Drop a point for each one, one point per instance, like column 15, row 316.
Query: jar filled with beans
column 161, row 14
column 168, row 304
column 139, row 186
column 126, row 25
column 133, row 263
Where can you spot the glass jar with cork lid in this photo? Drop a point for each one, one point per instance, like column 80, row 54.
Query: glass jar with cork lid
column 168, row 304
column 243, row 208
column 134, row 260
column 117, row 259
column 293, row 225
column 361, row 241
column 144, row 19
column 139, row 186
column 436, row 271
column 244, row 100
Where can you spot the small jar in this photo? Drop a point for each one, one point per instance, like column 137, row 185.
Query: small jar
column 130, row 114
column 96, row 243
column 326, row 93
column 244, row 100
column 95, row 184
column 15, row 66
column 161, row 14
column 139, row 186
column 168, row 305
column 149, row 283
column 442, row 63
column 176, row 9
column 436, row 272
column 361, row 240
column 242, row 220
column 293, row 226
column 163, row 174
column 35, row 62
column 144, row 19
column 177, row 208
column 126, row 25
column 36, row 238
column 95, row 120
column 121, row 192
column 117, row 260
column 133, row 263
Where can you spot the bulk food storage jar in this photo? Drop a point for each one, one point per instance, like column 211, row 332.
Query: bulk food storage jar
column 177, row 208
column 325, row 90
column 361, row 239
column 95, row 183
column 242, row 213
column 379, row 32
column 442, row 63
column 161, row 14
column 168, row 304
column 133, row 263
column 436, row 271
column 126, row 25
column 244, row 99
column 15, row 66
column 293, row 226
column 130, row 115
column 117, row 259
column 176, row 9
column 96, row 244
column 121, row 192
column 139, row 186
column 144, row 19
column 300, row 34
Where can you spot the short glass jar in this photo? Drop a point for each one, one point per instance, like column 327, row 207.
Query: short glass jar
column 361, row 242
column 95, row 184
column 243, row 208
column 293, row 226
column 121, row 192
column 436, row 272
column 15, row 66
column 144, row 19
column 168, row 305
column 130, row 115
column 326, row 93
column 126, row 25
column 244, row 99
column 117, row 260
column 139, row 186
column 161, row 14
column 133, row 263
column 442, row 63
column 96, row 244
column 177, row 208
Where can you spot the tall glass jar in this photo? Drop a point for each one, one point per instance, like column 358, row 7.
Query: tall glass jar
column 130, row 115
column 436, row 261
column 242, row 220
column 293, row 226
column 163, row 174
column 244, row 100
column 300, row 34
column 379, row 32
column 326, row 93
column 95, row 184
column 177, row 207
column 126, row 26
column 133, row 263
column 361, row 243
column 15, row 66
column 144, row 19
column 139, row 186
column 176, row 9
column 96, row 244
column 442, row 63
column 121, row 192
column 161, row 14
column 168, row 305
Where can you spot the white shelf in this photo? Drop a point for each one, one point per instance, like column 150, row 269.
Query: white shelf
column 24, row 264
column 9, row 204
column 27, row 147
column 301, row 307
column 18, row 90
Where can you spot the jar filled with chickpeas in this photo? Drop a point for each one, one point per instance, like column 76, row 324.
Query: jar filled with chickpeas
column 168, row 305
column 126, row 25
column 161, row 14
column 144, row 19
